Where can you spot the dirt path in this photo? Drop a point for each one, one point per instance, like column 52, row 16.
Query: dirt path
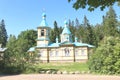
column 58, row 77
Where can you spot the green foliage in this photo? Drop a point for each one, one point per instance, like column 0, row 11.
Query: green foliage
column 52, row 36
column 3, row 34
column 93, row 4
column 30, row 36
column 110, row 23
column 16, row 57
column 56, row 30
column 86, row 32
column 55, row 33
column 106, row 57
column 99, row 33
column 72, row 28
column 13, row 62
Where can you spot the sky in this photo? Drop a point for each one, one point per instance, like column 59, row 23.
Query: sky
column 20, row 15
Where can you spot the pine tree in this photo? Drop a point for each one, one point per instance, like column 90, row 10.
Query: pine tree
column 72, row 29
column 77, row 24
column 60, row 31
column 85, row 22
column 10, row 55
column 110, row 23
column 56, row 31
column 88, row 35
column 99, row 33
column 91, row 38
column 79, row 33
column 3, row 34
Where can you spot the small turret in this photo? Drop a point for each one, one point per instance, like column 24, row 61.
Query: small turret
column 66, row 29
column 66, row 34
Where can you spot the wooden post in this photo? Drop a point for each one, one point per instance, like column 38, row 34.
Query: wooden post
column 74, row 54
column 48, row 55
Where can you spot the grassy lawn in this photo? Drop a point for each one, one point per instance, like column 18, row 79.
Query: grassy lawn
column 63, row 66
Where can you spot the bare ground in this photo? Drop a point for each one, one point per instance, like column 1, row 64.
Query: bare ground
column 58, row 77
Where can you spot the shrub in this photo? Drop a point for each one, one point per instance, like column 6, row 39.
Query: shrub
column 106, row 58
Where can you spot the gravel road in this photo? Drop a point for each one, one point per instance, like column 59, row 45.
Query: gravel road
column 58, row 77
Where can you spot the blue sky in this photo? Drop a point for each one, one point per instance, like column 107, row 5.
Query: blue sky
column 20, row 15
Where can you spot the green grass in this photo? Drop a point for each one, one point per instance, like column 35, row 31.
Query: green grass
column 63, row 66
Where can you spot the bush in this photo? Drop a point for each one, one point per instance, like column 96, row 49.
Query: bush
column 106, row 58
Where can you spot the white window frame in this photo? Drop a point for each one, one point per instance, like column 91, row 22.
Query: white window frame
column 67, row 52
column 56, row 53
column 51, row 53
column 76, row 52
column 83, row 52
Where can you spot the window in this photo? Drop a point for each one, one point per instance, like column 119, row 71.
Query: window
column 76, row 52
column 56, row 54
column 66, row 38
column 42, row 32
column 66, row 50
column 40, row 54
column 82, row 52
column 51, row 53
column 46, row 32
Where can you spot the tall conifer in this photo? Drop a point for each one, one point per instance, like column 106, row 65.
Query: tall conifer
column 3, row 34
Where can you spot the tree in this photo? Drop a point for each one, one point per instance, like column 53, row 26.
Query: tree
column 52, row 36
column 11, row 57
column 29, row 36
column 106, row 58
column 110, row 23
column 55, row 33
column 87, row 32
column 86, row 22
column 16, row 56
column 60, row 31
column 91, row 37
column 72, row 29
column 86, row 28
column 77, row 23
column 3, row 34
column 80, row 33
column 10, row 54
column 93, row 4
column 99, row 33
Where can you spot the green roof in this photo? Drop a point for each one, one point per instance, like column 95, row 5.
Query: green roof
column 66, row 29
column 82, row 44
column 31, row 49
column 77, row 44
column 43, row 22
column 66, row 43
